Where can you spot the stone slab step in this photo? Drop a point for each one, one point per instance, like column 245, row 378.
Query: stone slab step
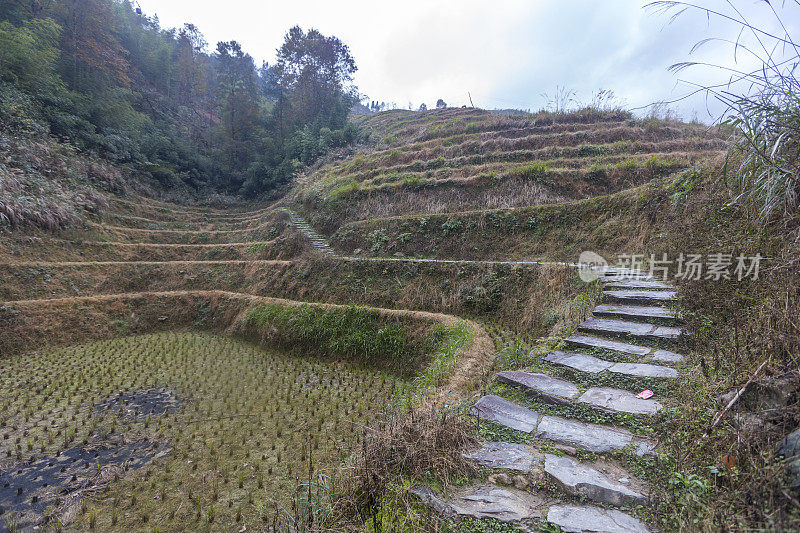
column 497, row 409
column 645, row 284
column 505, row 456
column 599, row 482
column 562, row 392
column 589, row 518
column 626, row 328
column 486, row 501
column 584, row 480
column 665, row 356
column 643, row 312
column 599, row 343
column 622, row 271
column 579, row 361
column 644, row 370
column 594, row 365
column 589, row 437
column 541, row 386
column 525, row 509
column 618, row 401
column 613, row 277
column 638, row 296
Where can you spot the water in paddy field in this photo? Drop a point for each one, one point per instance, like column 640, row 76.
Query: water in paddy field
column 178, row 428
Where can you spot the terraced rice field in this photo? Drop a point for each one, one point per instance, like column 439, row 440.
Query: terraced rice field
column 162, row 424
column 460, row 160
column 235, row 426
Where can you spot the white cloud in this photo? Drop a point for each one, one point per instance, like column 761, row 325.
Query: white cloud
column 505, row 52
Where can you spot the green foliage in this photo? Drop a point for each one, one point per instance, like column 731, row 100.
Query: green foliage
column 379, row 239
column 764, row 159
column 75, row 69
column 28, row 54
column 597, row 174
column 588, row 150
column 684, row 183
column 452, row 226
column 536, row 171
column 444, row 344
column 352, row 332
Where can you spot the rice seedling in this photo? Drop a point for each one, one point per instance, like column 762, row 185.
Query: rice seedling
column 241, row 422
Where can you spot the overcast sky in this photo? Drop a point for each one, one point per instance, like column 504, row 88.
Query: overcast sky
column 506, row 53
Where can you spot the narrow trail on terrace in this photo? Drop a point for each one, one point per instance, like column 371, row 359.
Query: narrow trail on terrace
column 632, row 335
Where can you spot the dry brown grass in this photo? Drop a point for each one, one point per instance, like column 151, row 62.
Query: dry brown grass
column 47, row 185
column 425, row 443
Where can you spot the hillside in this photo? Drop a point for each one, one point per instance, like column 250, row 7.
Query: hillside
column 449, row 161
column 420, row 283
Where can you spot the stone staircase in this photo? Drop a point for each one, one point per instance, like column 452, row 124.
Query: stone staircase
column 631, row 335
column 317, row 241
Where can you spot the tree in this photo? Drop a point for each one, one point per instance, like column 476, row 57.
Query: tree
column 111, row 80
column 191, row 82
column 237, row 91
column 423, row 107
column 316, row 73
column 28, row 54
column 89, row 44
column 268, row 81
column 440, row 104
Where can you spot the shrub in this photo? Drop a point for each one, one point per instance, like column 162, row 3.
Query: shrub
column 588, row 150
column 536, row 171
column 453, row 225
column 379, row 239
column 597, row 174
column 763, row 107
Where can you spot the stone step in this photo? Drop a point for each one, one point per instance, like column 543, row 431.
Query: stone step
column 585, row 480
column 486, row 501
column 525, row 509
column 579, row 361
column 589, row 437
column 589, row 518
column 634, row 312
column 644, row 370
column 665, row 356
column 644, row 284
column 618, row 401
column 647, row 352
column 612, row 277
column 541, row 386
column 599, row 482
column 625, row 328
column 638, row 296
column 599, row 343
column 497, row 409
column 594, row 365
column 622, row 271
column 562, row 392
column 506, row 456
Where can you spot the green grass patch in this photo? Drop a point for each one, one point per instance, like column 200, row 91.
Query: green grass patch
column 354, row 333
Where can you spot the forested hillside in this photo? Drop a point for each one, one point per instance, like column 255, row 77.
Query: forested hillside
column 167, row 104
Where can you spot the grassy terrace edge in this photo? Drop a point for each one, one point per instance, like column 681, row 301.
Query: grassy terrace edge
column 395, row 340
